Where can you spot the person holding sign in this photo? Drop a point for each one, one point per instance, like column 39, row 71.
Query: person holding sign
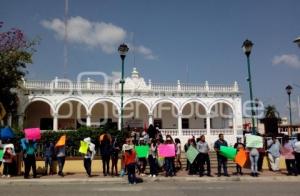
column 193, row 168
column 61, row 157
column 203, row 148
column 8, row 155
column 142, row 161
column 87, row 161
column 254, row 156
column 274, row 153
column 48, row 157
column 169, row 161
column 130, row 163
column 152, row 158
column 29, row 158
column 222, row 161
column 239, row 146
column 128, row 141
column 253, row 143
column 288, row 152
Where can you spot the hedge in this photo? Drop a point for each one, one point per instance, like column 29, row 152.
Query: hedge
column 73, row 138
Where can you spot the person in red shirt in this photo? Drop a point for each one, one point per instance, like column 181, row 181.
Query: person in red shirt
column 130, row 163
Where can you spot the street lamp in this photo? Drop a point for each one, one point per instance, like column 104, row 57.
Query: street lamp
column 289, row 89
column 256, row 106
column 123, row 49
column 297, row 41
column 247, row 46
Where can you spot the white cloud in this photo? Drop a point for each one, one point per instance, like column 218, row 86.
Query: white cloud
column 146, row 52
column 115, row 76
column 107, row 36
column 290, row 60
column 104, row 35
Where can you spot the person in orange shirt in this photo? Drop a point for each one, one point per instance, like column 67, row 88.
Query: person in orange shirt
column 130, row 163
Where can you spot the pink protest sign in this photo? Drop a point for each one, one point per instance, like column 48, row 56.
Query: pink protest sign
column 166, row 150
column 32, row 133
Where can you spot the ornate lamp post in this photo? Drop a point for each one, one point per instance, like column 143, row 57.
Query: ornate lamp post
column 297, row 41
column 256, row 106
column 247, row 46
column 289, row 89
column 123, row 49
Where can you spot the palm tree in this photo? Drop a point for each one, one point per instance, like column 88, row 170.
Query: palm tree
column 271, row 120
column 271, row 112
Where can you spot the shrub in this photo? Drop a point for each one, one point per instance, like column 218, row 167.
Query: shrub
column 73, row 138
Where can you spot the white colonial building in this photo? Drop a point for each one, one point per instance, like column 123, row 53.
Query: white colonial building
column 181, row 110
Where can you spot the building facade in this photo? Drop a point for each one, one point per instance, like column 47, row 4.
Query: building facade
column 181, row 110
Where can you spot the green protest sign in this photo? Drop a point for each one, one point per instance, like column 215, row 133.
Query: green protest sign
column 1, row 155
column 254, row 141
column 142, row 151
column 228, row 152
column 191, row 154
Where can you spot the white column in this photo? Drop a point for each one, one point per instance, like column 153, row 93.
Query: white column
column 119, row 123
column 234, row 127
column 55, row 122
column 9, row 119
column 237, row 117
column 180, row 124
column 88, row 120
column 150, row 120
column 21, row 121
column 208, row 125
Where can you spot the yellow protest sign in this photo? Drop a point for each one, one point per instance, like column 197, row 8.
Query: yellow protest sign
column 83, row 147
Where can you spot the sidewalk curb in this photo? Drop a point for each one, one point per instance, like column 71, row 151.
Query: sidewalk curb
column 151, row 180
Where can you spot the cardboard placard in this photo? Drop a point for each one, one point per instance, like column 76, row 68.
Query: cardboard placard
column 191, row 154
column 142, row 151
column 166, row 150
column 32, row 133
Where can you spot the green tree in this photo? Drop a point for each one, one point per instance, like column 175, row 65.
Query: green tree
column 271, row 120
column 15, row 53
column 271, row 112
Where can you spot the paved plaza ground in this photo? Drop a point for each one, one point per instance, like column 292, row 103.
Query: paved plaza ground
column 265, row 175
column 268, row 183
column 165, row 188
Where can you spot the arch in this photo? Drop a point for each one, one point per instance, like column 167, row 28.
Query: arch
column 220, row 119
column 38, row 112
column 71, row 99
column 42, row 99
column 99, row 100
column 137, row 100
column 192, row 101
column 164, row 101
column 221, row 101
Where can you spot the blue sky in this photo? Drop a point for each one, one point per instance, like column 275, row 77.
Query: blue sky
column 170, row 37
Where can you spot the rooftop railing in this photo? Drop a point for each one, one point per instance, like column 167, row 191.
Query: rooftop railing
column 151, row 87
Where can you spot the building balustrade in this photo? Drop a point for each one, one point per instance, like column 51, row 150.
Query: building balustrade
column 96, row 86
column 196, row 132
column 223, row 131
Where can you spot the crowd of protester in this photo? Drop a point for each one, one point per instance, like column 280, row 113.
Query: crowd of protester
column 112, row 150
